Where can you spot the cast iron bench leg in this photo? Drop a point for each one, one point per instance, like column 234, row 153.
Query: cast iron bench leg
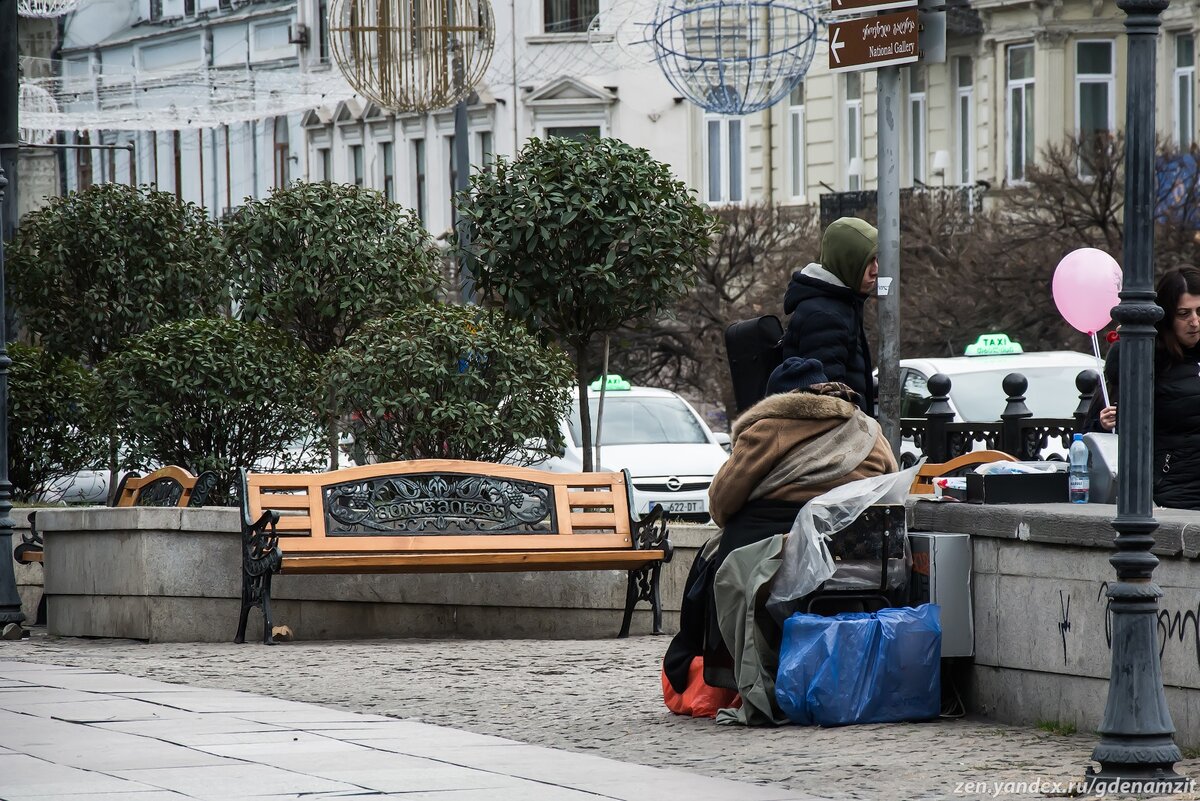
column 643, row 586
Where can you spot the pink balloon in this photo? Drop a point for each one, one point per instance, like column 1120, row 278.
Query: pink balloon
column 1085, row 287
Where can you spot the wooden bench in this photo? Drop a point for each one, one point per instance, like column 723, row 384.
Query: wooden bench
column 167, row 486
column 445, row 516
column 923, row 483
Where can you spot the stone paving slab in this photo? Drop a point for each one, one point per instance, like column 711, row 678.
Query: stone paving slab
column 228, row 745
column 602, row 698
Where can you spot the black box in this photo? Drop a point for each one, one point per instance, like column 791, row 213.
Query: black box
column 1018, row 488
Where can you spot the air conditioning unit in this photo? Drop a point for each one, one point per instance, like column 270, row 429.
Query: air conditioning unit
column 298, row 34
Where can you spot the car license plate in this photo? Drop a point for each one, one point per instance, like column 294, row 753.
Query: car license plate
column 679, row 507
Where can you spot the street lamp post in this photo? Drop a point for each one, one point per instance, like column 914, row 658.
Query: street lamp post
column 1136, row 748
column 10, row 601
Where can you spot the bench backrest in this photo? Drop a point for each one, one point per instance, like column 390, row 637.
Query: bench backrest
column 167, row 486
column 441, row 505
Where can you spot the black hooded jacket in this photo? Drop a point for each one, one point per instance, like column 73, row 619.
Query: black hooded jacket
column 827, row 324
column 1176, row 425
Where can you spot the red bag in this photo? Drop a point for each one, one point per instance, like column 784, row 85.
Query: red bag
column 699, row 700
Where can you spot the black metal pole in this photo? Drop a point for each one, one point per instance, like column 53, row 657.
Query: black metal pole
column 10, row 601
column 1136, row 751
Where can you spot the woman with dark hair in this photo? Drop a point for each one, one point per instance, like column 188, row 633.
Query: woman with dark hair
column 1176, row 390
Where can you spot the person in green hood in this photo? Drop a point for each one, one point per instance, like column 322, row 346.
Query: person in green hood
column 826, row 301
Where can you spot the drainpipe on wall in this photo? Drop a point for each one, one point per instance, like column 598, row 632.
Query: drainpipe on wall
column 768, row 157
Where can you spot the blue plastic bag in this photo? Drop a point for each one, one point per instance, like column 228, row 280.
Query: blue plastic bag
column 860, row 667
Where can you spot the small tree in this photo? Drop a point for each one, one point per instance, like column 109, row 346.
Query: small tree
column 52, row 430
column 320, row 260
column 215, row 395
column 580, row 237
column 452, row 382
column 91, row 269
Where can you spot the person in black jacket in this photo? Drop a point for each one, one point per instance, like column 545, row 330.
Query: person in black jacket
column 1176, row 391
column 826, row 303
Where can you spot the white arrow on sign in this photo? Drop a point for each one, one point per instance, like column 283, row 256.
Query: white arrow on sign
column 835, row 45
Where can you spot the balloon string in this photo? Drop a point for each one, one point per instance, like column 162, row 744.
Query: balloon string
column 1099, row 361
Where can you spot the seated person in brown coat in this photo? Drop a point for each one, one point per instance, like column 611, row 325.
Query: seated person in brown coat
column 804, row 438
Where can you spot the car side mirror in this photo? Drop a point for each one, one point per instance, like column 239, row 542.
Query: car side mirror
column 723, row 440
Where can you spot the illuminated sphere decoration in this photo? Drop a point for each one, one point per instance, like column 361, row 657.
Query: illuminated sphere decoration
column 45, row 9
column 33, row 100
column 402, row 54
column 734, row 56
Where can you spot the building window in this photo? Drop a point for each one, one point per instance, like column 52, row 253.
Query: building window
column 1184, row 123
column 178, row 157
column 486, row 150
column 580, row 132
column 916, row 117
column 1019, row 127
column 323, row 30
column 281, row 151
column 356, row 164
column 853, row 130
column 83, row 163
column 325, row 159
column 389, row 170
column 723, row 148
column 452, row 174
column 419, row 177
column 964, row 118
column 796, row 140
column 156, row 11
column 1095, row 86
column 189, row 8
column 568, row 16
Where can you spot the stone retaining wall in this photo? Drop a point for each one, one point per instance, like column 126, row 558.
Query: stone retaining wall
column 1040, row 579
column 174, row 575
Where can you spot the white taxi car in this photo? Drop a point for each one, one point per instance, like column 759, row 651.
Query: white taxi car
column 669, row 451
column 976, row 383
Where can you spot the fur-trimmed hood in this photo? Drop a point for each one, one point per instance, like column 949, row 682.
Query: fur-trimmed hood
column 793, row 406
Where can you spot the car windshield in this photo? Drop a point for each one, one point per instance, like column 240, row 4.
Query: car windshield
column 979, row 397
column 641, row 421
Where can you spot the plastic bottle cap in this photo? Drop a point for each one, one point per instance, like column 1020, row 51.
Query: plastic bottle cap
column 1078, row 438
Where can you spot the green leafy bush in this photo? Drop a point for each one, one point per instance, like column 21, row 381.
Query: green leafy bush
column 579, row 237
column 91, row 269
column 52, row 430
column 214, row 395
column 320, row 260
column 451, row 382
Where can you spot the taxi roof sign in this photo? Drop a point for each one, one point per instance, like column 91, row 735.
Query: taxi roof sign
column 993, row 345
column 612, row 383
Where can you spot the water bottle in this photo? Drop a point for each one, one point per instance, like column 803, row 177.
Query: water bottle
column 1078, row 480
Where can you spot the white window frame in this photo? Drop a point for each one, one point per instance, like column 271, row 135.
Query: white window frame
column 541, row 11
column 918, row 119
column 1014, row 86
column 1186, row 75
column 964, row 119
column 852, row 112
column 723, row 191
column 797, row 172
column 356, row 163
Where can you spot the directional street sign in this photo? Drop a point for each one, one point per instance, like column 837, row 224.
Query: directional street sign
column 859, row 6
column 864, row 44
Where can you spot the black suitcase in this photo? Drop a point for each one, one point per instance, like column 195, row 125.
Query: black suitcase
column 755, row 348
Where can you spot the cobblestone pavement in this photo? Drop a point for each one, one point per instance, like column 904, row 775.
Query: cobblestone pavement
column 602, row 697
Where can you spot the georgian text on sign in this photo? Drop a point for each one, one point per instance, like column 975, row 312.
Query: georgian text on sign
column 871, row 42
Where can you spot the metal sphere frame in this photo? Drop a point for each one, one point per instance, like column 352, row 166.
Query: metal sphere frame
column 45, row 9
column 33, row 99
column 735, row 56
column 412, row 55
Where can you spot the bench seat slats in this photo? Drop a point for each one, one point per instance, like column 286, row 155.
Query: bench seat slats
column 469, row 562
column 453, row 543
column 286, row 501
